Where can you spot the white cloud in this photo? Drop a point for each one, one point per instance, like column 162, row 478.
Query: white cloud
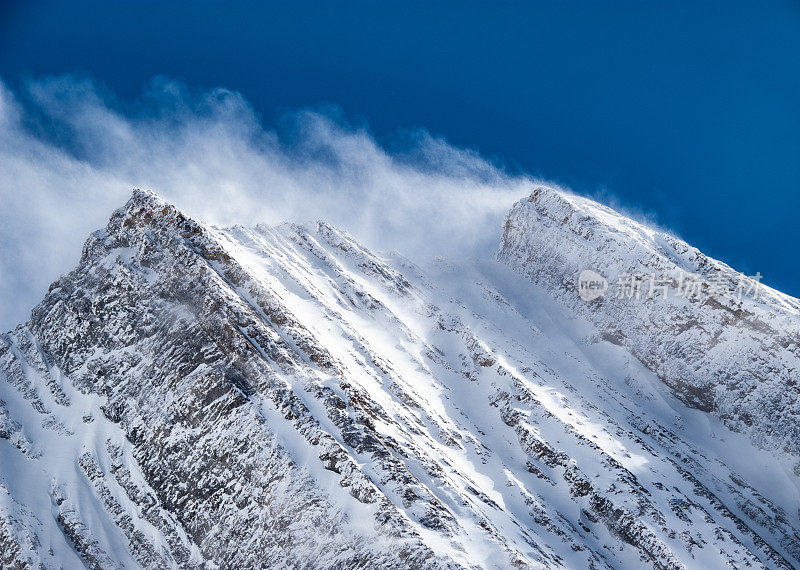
column 70, row 154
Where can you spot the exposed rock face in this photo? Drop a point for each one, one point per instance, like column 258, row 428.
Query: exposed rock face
column 197, row 397
column 730, row 347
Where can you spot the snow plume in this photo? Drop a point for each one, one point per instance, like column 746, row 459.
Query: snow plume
column 70, row 153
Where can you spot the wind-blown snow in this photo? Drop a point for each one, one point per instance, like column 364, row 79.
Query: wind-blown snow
column 195, row 396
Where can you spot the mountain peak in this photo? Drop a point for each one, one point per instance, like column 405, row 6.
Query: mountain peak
column 200, row 397
column 144, row 206
column 600, row 226
column 703, row 328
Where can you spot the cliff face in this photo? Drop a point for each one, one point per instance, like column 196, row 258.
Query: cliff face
column 200, row 397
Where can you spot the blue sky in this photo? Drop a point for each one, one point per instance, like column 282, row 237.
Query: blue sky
column 689, row 112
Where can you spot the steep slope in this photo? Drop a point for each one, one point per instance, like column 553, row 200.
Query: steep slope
column 199, row 397
column 720, row 340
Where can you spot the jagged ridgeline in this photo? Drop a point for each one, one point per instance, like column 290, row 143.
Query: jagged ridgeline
column 281, row 397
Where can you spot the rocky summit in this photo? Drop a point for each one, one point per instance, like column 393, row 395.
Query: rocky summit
column 281, row 397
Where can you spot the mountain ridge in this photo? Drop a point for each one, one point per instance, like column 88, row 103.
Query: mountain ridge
column 219, row 394
column 696, row 335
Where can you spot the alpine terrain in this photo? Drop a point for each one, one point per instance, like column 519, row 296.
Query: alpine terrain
column 281, row 397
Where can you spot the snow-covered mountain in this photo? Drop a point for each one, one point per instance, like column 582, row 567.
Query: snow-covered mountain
column 280, row 397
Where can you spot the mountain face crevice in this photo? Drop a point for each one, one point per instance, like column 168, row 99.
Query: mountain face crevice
column 201, row 397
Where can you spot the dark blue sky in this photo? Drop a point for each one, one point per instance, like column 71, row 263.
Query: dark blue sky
column 690, row 111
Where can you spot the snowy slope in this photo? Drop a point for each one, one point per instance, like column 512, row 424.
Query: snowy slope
column 202, row 397
column 729, row 346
